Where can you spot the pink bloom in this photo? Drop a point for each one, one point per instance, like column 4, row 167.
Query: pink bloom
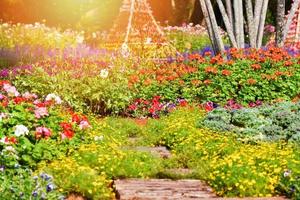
column 84, row 125
column 28, row 95
column 11, row 90
column 42, row 132
column 40, row 112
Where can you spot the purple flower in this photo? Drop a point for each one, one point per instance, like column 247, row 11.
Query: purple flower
column 50, row 187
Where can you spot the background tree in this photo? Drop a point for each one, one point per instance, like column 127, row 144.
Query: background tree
column 233, row 18
column 280, row 22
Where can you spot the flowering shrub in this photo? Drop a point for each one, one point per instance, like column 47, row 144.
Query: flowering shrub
column 247, row 76
column 153, row 108
column 268, row 122
column 90, row 87
column 33, row 130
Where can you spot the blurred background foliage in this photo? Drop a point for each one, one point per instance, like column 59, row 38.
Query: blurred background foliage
column 99, row 15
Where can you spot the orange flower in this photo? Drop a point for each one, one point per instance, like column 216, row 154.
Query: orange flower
column 147, row 82
column 288, row 63
column 181, row 82
column 196, row 82
column 279, row 73
column 207, row 82
column 208, row 53
column 133, row 79
column 212, row 70
column 226, row 72
column 251, row 81
column 256, row 66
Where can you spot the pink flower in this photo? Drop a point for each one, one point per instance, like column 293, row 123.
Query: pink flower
column 42, row 132
column 11, row 90
column 40, row 112
column 84, row 125
column 28, row 95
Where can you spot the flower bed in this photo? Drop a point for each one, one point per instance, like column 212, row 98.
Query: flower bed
column 280, row 121
column 248, row 76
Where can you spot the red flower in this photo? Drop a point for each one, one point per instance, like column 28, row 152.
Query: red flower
column 132, row 107
column 183, row 103
column 18, row 100
column 68, row 133
column 10, row 140
column 66, row 126
column 208, row 106
column 76, row 118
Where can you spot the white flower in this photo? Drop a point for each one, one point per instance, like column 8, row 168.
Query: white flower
column 21, row 130
column 104, row 73
column 3, row 115
column 10, row 149
column 54, row 97
column 79, row 39
column 3, row 141
column 98, row 138
column 148, row 40
column 125, row 50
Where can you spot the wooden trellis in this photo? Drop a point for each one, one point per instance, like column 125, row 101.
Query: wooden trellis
column 135, row 26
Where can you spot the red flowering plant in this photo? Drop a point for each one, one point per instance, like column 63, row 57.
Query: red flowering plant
column 32, row 129
column 247, row 75
column 154, row 108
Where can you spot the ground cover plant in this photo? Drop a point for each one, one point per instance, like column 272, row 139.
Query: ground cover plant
column 279, row 121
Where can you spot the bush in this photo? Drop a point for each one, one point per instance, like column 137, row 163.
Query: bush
column 33, row 130
column 247, row 76
column 104, row 93
column 269, row 122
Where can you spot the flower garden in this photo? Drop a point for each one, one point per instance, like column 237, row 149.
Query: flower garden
column 72, row 115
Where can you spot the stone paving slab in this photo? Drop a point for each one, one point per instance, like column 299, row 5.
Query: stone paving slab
column 162, row 189
column 165, row 189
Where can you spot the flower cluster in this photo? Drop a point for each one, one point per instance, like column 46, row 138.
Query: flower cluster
column 26, row 121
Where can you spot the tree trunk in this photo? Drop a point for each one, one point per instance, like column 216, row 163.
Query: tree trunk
column 262, row 23
column 291, row 15
column 208, row 24
column 257, row 16
column 242, row 32
column 215, row 27
column 237, row 19
column 280, row 22
column 227, row 23
column 250, row 20
column 229, row 11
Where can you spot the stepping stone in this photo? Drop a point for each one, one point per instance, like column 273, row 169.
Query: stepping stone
column 162, row 152
column 162, row 189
